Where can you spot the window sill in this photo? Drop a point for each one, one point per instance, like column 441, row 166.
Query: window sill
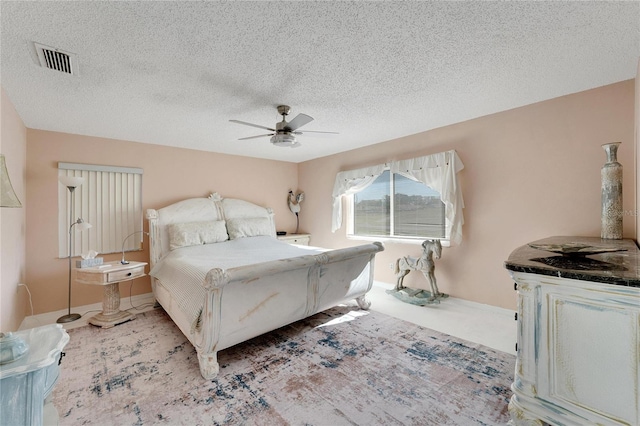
column 396, row 240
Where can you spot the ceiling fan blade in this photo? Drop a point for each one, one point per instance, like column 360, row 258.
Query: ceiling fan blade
column 253, row 125
column 317, row 134
column 259, row 136
column 299, row 121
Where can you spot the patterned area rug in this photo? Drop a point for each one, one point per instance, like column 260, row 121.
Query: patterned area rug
column 340, row 367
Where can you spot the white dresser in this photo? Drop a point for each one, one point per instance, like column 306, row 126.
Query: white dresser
column 26, row 383
column 578, row 337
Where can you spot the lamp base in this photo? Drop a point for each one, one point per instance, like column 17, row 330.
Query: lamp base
column 68, row 318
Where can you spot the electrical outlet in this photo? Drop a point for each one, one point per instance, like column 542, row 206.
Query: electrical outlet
column 391, row 265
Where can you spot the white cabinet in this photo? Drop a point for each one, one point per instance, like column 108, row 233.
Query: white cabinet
column 27, row 382
column 578, row 340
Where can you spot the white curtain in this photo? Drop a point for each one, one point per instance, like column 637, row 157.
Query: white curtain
column 437, row 171
column 351, row 182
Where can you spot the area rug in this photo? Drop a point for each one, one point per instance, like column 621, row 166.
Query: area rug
column 340, row 367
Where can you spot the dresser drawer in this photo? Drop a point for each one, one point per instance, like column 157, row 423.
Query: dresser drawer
column 127, row 274
column 303, row 241
column 110, row 273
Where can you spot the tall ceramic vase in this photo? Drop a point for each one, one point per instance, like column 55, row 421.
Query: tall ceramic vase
column 611, row 174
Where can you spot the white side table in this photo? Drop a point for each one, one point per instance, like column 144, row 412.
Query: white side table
column 26, row 383
column 300, row 239
column 110, row 275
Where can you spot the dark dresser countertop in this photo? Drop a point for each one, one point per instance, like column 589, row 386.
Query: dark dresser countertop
column 619, row 268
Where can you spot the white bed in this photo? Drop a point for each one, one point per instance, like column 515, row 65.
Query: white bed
column 222, row 276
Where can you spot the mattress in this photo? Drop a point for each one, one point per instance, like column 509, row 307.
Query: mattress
column 182, row 271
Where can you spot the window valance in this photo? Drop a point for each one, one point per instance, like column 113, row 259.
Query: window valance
column 437, row 171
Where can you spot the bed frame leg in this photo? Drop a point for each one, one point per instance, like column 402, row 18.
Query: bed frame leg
column 363, row 303
column 209, row 366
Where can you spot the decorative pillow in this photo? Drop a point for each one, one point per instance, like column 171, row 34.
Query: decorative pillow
column 196, row 233
column 249, row 227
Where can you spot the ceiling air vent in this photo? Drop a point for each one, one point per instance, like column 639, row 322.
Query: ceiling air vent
column 56, row 59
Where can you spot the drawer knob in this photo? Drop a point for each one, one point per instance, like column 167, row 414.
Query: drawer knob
column 129, row 274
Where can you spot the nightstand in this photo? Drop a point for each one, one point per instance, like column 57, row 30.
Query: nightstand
column 110, row 275
column 300, row 239
column 27, row 382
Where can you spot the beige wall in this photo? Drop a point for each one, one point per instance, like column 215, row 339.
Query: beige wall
column 13, row 144
column 530, row 173
column 170, row 174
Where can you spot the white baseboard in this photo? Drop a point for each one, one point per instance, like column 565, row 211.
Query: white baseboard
column 474, row 305
column 135, row 304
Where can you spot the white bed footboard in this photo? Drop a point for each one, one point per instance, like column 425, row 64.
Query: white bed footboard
column 248, row 301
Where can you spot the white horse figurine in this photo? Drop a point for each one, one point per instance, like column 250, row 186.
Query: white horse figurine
column 424, row 264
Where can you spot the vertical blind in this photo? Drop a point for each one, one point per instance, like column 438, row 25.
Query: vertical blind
column 110, row 199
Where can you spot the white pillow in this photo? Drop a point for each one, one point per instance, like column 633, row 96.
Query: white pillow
column 249, row 227
column 196, row 233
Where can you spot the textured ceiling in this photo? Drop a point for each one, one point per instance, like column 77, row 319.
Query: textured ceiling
column 175, row 73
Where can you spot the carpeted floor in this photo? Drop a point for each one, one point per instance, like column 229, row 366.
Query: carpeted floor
column 339, row 367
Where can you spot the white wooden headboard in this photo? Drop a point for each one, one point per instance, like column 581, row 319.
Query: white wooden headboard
column 198, row 210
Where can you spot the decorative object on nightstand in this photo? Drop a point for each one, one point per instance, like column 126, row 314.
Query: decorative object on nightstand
column 27, row 382
column 430, row 249
column 299, row 239
column 611, row 174
column 123, row 261
column 89, row 260
column 110, row 275
column 72, row 182
column 294, row 206
column 8, row 197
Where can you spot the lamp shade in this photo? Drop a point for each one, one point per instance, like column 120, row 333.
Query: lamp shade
column 8, row 197
column 71, row 181
column 82, row 226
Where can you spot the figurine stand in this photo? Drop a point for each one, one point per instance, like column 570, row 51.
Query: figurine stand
column 416, row 296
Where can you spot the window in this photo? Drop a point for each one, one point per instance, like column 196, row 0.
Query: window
column 110, row 199
column 396, row 206
column 414, row 199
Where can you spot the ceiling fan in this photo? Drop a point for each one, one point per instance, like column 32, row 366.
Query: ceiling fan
column 284, row 133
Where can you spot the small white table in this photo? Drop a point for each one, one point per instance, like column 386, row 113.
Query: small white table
column 26, row 382
column 110, row 275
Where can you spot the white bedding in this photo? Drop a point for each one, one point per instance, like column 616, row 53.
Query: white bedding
column 182, row 271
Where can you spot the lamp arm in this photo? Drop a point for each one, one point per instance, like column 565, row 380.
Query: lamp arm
column 123, row 261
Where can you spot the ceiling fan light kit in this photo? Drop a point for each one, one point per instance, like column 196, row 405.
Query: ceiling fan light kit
column 283, row 134
column 285, row 140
